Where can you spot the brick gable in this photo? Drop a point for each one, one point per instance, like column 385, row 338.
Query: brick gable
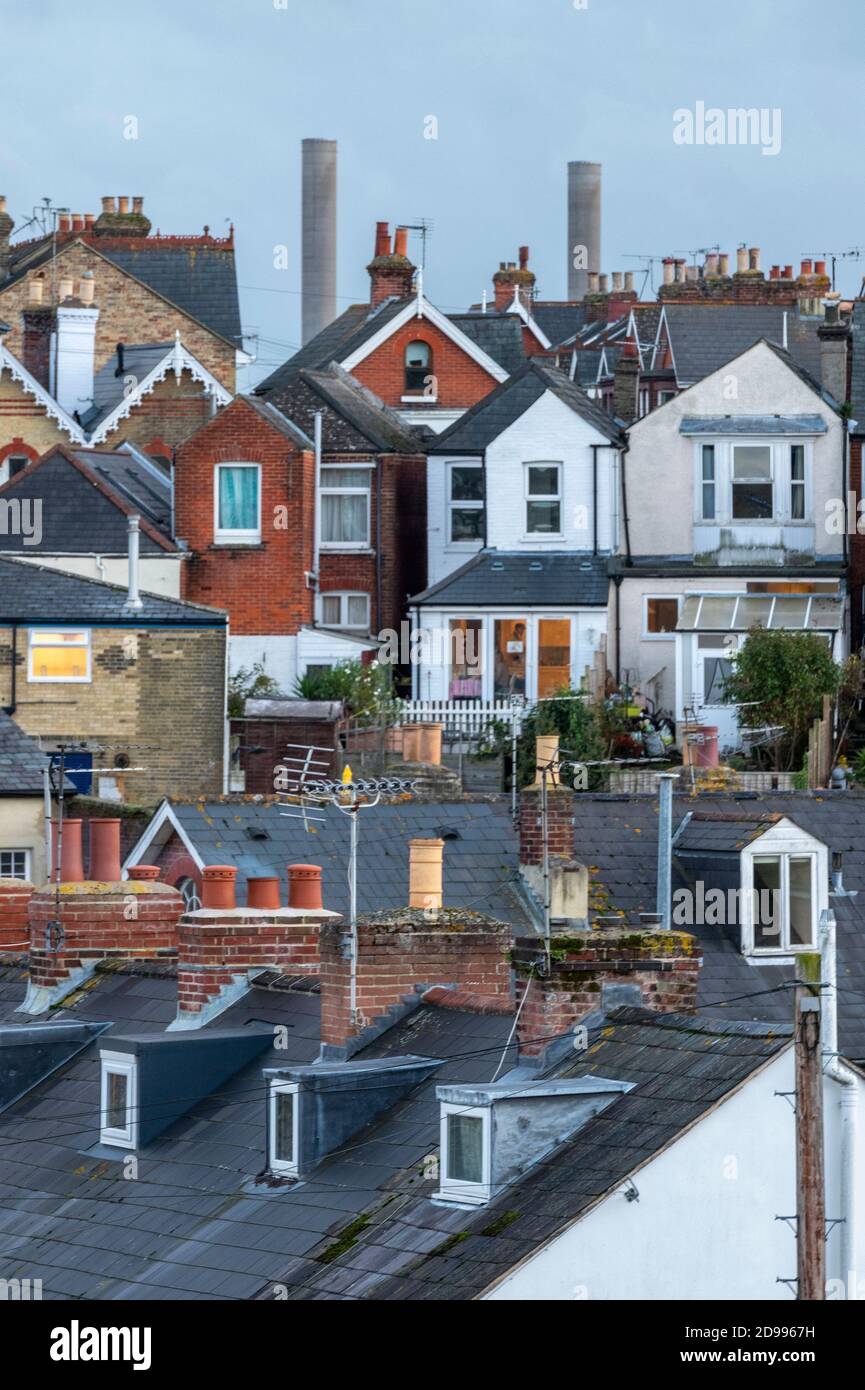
column 461, row 382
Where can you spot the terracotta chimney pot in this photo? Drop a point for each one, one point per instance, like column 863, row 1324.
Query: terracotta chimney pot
column 144, row 873
column 400, row 242
column 72, row 858
column 123, row 205
column 304, row 887
column 263, row 893
column 105, row 850
column 218, row 886
column 425, row 874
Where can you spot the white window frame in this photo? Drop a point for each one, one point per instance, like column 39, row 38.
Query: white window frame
column 457, row 1189
column 344, row 491
column 15, row 849
column 781, row 454
column 659, row 636
column 121, row 1064
column 223, row 535
column 543, row 536
column 85, row 646
column 784, row 851
column 798, row 482
column 343, row 595
column 455, row 505
column 777, row 513
column 287, row 1167
column 705, row 482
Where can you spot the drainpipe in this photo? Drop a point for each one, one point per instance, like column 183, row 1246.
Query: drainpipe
column 484, row 479
column 378, row 487
column 173, row 513
column 13, row 680
column 665, row 846
column 595, row 448
column 617, row 581
column 849, row 1106
column 625, row 450
column 316, row 511
column 226, row 720
column 846, row 425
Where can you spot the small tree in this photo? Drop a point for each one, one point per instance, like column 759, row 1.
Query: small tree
column 249, row 684
column 366, row 690
column 780, row 678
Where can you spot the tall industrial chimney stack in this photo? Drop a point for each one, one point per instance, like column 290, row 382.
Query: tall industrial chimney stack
column 319, row 236
column 584, row 225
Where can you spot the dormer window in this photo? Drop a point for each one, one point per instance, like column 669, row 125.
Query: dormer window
column 784, row 905
column 118, row 1120
column 284, row 1128
column 465, row 1146
column 418, row 366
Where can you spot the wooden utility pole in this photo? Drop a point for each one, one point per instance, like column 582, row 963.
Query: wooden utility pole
column 810, row 1187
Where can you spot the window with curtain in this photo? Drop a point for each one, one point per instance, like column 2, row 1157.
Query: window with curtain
column 238, row 512
column 345, row 506
column 797, row 482
column 708, row 482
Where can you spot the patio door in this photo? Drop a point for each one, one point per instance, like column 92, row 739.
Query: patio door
column 510, row 657
column 714, row 666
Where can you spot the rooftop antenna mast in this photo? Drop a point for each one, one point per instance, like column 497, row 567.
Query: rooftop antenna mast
column 856, row 253
column 309, row 791
column 425, row 227
column 646, row 264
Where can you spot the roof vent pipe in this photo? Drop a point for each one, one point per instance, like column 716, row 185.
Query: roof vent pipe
column 665, row 846
column 133, row 599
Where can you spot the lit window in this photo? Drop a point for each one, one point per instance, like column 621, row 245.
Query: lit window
column 466, row 502
column 59, row 655
column 284, row 1111
column 752, row 482
column 350, row 612
column 14, row 863
column 662, row 615
column 238, row 502
column 797, row 482
column 466, row 646
column 544, row 499
column 708, row 482
column 418, row 366
column 345, row 507
column 783, row 903
column 118, row 1123
column 466, row 1156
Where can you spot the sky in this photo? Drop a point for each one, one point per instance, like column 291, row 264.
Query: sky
column 223, row 91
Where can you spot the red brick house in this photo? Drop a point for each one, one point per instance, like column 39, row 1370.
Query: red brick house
column 306, row 582
column 428, row 366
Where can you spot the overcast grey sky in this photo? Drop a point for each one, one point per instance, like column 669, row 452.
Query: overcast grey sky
column 224, row 91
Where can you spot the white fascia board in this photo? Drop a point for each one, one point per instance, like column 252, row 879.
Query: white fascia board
column 165, row 813
column 176, row 359
column 52, row 408
column 417, row 309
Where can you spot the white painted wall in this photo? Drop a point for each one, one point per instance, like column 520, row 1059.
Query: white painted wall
column 697, row 1233
column 160, row 574
column 661, row 462
column 549, row 431
column 286, row 657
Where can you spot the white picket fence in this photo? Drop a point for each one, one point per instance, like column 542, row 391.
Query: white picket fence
column 468, row 717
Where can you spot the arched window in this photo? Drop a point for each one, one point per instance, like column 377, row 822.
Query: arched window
column 418, row 365
column 188, row 889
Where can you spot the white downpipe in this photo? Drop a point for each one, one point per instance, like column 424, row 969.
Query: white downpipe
column 849, row 1102
column 316, row 513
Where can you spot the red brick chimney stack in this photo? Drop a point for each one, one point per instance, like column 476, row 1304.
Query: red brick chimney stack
column 391, row 273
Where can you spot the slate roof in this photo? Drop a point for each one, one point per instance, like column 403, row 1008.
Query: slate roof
column 506, row 577
column 415, row 1249
column 499, row 335
column 32, row 594
column 87, row 498
column 22, row 761
column 480, row 850
column 753, row 424
column 617, row 837
column 857, row 374
column 559, row 319
column 335, row 342
column 354, row 420
column 705, row 337
column 109, row 383
column 198, row 278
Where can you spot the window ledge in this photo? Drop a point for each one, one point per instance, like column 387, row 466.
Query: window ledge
column 346, row 548
column 420, row 399
column 221, row 543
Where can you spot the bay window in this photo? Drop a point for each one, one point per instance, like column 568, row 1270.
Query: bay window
column 345, row 494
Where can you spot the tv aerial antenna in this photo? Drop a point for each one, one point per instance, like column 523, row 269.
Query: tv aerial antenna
column 304, row 781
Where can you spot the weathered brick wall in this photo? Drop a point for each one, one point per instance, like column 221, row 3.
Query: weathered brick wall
column 398, row 952
column 460, row 380
column 262, row 586
column 560, row 825
column 15, row 895
column 158, row 696
column 747, row 288
column 169, row 413
column 129, row 312
column 102, row 922
column 664, row 964
column 215, row 950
